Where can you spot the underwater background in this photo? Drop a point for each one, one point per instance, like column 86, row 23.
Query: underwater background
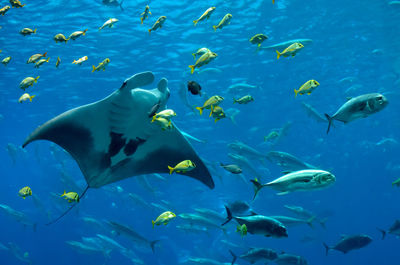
column 353, row 52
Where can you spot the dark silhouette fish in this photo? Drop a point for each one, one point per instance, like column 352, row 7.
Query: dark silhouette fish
column 113, row 3
column 348, row 243
column 194, row 88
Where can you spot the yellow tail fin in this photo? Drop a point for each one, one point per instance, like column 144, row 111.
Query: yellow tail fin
column 171, row 169
column 141, row 20
column 44, row 54
column 84, row 32
column 94, row 68
column 200, row 109
column 215, row 28
column 154, row 118
column 192, row 68
column 278, row 54
column 195, row 22
column 152, row 223
column 48, row 59
column 31, row 97
column 63, row 194
column 34, row 31
column 36, row 79
column 295, row 92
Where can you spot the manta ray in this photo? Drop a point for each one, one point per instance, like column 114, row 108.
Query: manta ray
column 114, row 138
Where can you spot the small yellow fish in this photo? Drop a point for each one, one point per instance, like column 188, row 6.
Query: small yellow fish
column 242, row 229
column 396, row 182
column 145, row 14
column 212, row 101
column 244, row 100
column 258, row 39
column 77, row 34
column 25, row 97
column 226, row 20
column 166, row 114
column 158, row 24
column 101, row 66
column 6, row 60
column 182, row 167
column 25, row 192
column 16, row 3
column 27, row 82
column 27, row 31
column 60, row 38
column 291, row 50
column 41, row 61
column 36, row 57
column 109, row 23
column 4, row 10
column 203, row 60
column 306, row 88
column 58, row 62
column 200, row 52
column 80, row 60
column 271, row 136
column 217, row 113
column 206, row 15
column 164, row 218
column 71, row 196
column 164, row 123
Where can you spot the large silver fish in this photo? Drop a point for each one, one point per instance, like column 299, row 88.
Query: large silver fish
column 358, row 107
column 308, row 179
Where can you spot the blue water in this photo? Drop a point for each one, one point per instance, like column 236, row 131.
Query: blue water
column 356, row 39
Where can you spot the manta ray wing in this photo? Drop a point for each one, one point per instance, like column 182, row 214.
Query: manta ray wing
column 113, row 139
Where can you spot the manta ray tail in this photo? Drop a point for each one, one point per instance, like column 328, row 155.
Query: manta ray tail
column 69, row 209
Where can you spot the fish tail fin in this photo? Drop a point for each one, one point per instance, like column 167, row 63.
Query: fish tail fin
column 215, row 28
column 278, row 54
column 191, row 68
column 141, row 20
column 36, row 79
column 310, row 220
column 30, row 99
column 322, row 222
column 171, row 169
column 45, row 54
column 93, row 68
column 34, row 31
column 327, row 248
column 153, row 244
column 120, row 5
column 383, row 233
column 84, row 32
column 154, row 118
column 296, row 92
column 234, row 257
column 200, row 110
column 330, row 120
column 152, row 222
column 273, row 1
column 228, row 216
column 257, row 187
column 48, row 59
column 195, row 22
column 63, row 194
column 149, row 31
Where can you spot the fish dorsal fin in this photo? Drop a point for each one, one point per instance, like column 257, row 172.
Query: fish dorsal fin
column 348, row 98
